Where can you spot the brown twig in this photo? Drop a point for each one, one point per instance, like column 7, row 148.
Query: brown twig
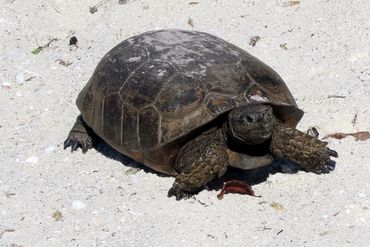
column 94, row 8
column 6, row 230
column 337, row 96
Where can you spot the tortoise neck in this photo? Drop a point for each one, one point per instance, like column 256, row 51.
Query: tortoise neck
column 225, row 131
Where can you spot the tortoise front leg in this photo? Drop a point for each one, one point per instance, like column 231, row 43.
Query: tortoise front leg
column 199, row 161
column 309, row 152
column 79, row 136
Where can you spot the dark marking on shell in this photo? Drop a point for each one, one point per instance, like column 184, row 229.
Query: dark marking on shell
column 220, row 103
column 149, row 128
column 112, row 118
column 130, row 128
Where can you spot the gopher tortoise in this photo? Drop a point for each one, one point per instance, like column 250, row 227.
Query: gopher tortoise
column 190, row 104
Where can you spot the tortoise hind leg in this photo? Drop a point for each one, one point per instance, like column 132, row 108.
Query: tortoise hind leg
column 198, row 162
column 79, row 136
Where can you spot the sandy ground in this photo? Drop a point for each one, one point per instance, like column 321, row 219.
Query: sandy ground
column 50, row 197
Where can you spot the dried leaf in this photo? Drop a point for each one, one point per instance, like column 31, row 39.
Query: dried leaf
column 57, row 215
column 278, row 206
column 360, row 136
column 40, row 48
column 235, row 186
column 132, row 171
column 37, row 50
column 190, row 22
column 284, row 46
column 253, row 40
column 64, row 63
column 291, row 3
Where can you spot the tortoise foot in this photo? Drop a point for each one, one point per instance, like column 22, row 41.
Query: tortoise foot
column 79, row 137
column 310, row 153
column 77, row 140
column 323, row 169
column 321, row 162
column 178, row 193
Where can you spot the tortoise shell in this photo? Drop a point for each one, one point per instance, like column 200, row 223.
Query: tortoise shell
column 153, row 92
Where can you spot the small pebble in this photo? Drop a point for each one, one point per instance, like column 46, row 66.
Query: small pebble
column 32, row 160
column 73, row 40
column 49, row 149
column 19, row 94
column 78, row 205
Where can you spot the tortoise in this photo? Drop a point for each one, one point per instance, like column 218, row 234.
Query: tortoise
column 189, row 104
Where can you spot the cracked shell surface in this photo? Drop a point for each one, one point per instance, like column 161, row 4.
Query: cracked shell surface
column 154, row 91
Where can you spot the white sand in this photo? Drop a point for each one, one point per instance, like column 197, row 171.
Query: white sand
column 103, row 205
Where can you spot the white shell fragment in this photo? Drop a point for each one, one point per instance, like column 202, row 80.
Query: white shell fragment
column 78, row 205
column 32, row 160
column 19, row 76
column 49, row 149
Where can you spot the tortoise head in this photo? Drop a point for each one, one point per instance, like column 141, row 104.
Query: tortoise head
column 251, row 124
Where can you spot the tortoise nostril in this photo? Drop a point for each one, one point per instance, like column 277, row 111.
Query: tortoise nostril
column 249, row 119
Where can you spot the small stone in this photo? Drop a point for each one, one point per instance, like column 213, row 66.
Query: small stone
column 78, row 205
column 73, row 40
column 32, row 160
column 49, row 149
column 19, row 94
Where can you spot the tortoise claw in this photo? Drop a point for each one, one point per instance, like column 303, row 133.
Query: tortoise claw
column 178, row 193
column 324, row 168
column 75, row 145
column 78, row 140
column 332, row 153
column 67, row 143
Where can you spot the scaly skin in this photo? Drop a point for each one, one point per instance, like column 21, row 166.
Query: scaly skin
column 199, row 161
column 309, row 152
